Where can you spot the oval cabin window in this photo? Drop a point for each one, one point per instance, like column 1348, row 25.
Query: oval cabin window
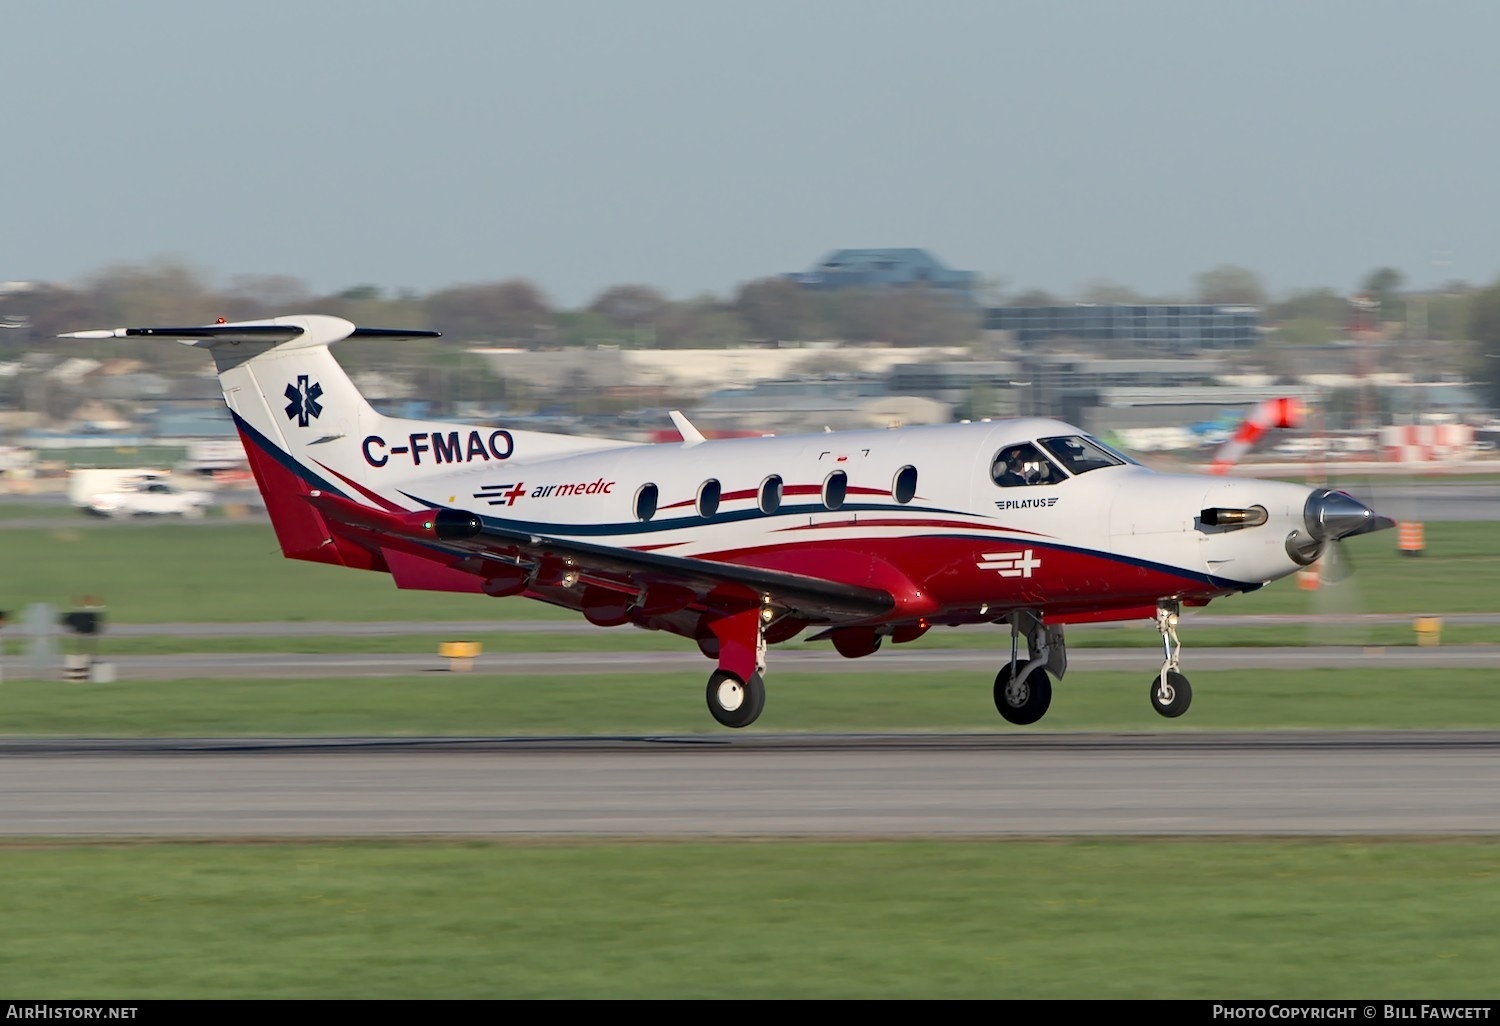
column 770, row 494
column 645, row 502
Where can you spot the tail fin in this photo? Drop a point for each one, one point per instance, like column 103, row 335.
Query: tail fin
column 290, row 399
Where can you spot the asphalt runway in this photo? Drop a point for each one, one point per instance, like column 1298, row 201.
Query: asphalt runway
column 745, row 786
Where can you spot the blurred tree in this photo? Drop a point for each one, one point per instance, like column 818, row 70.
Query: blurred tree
column 264, row 295
column 1448, row 315
column 1484, row 329
column 630, row 306
column 513, row 310
column 586, row 327
column 1230, row 285
column 1313, row 304
column 906, row 316
column 1383, row 285
column 774, row 309
column 50, row 310
column 1033, row 297
column 1305, row 331
column 702, row 323
column 1109, row 293
column 166, row 292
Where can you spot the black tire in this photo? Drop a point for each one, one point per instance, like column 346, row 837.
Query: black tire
column 1027, row 702
column 733, row 702
column 1178, row 697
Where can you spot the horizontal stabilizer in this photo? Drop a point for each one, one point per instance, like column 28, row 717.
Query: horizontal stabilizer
column 280, row 329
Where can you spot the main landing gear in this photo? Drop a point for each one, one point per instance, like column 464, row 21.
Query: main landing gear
column 1023, row 691
column 1171, row 694
column 736, row 690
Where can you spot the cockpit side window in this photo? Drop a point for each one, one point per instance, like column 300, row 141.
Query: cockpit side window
column 1080, row 455
column 1023, row 464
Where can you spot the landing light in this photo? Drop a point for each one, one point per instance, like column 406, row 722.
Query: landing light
column 1219, row 517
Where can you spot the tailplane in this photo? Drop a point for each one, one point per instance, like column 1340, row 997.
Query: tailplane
column 291, row 402
column 307, row 429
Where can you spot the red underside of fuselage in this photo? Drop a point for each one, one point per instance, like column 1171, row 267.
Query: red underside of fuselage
column 1068, row 585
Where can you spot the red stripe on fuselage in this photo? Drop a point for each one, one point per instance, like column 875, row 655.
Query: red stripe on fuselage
column 374, row 497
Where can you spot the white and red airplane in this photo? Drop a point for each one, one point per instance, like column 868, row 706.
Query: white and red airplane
column 860, row 536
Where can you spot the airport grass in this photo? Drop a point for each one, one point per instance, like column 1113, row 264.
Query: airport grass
column 1357, row 919
column 1199, row 634
column 162, row 572
column 474, row 705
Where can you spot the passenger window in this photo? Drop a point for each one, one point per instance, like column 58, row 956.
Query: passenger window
column 835, row 487
column 645, row 502
column 1023, row 464
column 708, row 498
column 770, row 494
column 904, row 487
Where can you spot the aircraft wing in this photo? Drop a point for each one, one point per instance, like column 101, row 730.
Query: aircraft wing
column 714, row 583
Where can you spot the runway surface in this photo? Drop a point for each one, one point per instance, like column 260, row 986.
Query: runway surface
column 747, row 785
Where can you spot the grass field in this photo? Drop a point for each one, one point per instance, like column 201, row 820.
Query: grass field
column 448, row 704
column 1198, row 634
column 1074, row 919
column 152, row 573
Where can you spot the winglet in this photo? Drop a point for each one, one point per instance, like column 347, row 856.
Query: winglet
column 689, row 434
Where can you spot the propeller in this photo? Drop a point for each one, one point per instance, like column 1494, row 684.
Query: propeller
column 1329, row 517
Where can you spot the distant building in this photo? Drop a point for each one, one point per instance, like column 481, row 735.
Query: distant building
column 1156, row 326
column 885, row 268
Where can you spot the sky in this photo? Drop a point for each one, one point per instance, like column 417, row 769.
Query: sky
column 695, row 145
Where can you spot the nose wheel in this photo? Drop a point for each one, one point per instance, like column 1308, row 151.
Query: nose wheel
column 1171, row 694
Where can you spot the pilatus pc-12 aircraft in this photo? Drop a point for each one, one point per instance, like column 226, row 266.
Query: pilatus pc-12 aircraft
column 860, row 537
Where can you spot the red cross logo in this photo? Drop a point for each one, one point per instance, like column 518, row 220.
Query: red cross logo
column 515, row 493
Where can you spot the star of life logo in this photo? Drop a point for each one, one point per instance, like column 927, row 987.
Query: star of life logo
column 303, row 400
column 1010, row 564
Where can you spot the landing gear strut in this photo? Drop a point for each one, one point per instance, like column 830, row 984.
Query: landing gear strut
column 736, row 691
column 1171, row 694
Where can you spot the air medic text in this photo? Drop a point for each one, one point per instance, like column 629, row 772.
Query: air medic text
column 441, row 447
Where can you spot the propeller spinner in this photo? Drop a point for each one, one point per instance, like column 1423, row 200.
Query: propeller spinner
column 1330, row 515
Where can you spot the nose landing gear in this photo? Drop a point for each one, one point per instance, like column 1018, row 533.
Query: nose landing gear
column 1171, row 694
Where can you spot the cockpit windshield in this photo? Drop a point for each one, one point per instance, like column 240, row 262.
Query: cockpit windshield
column 1080, row 454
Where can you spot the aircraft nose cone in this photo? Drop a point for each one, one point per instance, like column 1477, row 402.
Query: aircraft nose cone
column 1331, row 515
